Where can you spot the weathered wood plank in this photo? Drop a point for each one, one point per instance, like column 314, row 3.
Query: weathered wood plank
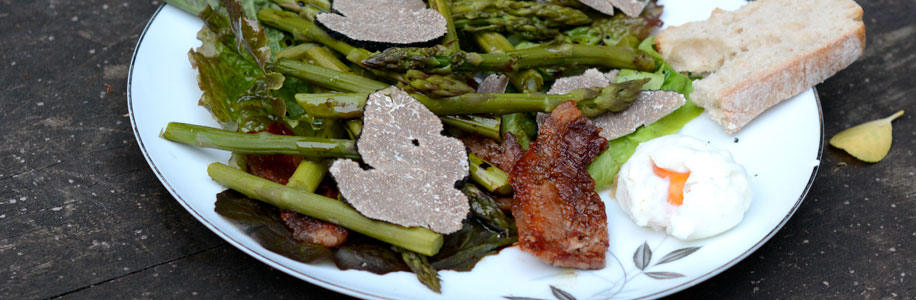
column 220, row 273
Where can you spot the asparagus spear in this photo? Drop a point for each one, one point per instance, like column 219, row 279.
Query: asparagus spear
column 435, row 85
column 354, row 128
column 259, row 143
column 419, row 264
column 416, row 239
column 484, row 207
column 556, row 14
column 334, row 80
column 310, row 172
column 530, row 28
column 303, row 29
column 488, row 127
column 440, row 60
column 522, row 125
column 308, row 175
column 296, row 5
column 311, row 147
column 592, row 102
column 526, row 80
column 488, row 175
column 451, row 36
column 314, row 54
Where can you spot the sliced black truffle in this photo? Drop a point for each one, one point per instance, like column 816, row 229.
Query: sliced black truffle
column 590, row 78
column 631, row 8
column 414, row 167
column 382, row 24
column 648, row 108
column 603, row 6
column 493, row 84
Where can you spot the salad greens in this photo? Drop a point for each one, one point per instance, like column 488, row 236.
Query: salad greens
column 263, row 63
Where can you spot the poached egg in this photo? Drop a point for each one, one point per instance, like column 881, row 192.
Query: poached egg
column 683, row 186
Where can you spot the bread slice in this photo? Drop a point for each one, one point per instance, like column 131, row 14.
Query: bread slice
column 765, row 52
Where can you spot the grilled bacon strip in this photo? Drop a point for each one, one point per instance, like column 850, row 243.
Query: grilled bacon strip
column 560, row 218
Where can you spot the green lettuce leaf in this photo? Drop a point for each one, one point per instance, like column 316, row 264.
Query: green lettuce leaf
column 605, row 166
column 237, row 89
column 250, row 9
column 655, row 79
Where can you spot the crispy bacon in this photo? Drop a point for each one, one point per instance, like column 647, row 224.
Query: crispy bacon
column 502, row 155
column 274, row 167
column 560, row 218
column 314, row 231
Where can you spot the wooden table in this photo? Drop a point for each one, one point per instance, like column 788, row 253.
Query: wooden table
column 82, row 215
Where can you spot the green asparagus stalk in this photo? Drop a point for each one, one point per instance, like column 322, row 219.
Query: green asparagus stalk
column 332, row 79
column 310, row 172
column 308, row 175
column 310, row 147
column 320, row 56
column 488, row 127
column 435, row 85
column 451, row 36
column 303, row 29
column 525, row 80
column 592, row 102
column 354, row 128
column 440, row 60
column 523, row 126
column 416, row 239
column 556, row 14
column 314, row 54
column 306, row 30
column 488, row 175
column 485, row 208
column 296, row 5
column 259, row 143
column 566, row 3
column 419, row 264
column 529, row 28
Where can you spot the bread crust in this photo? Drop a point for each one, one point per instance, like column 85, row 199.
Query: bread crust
column 734, row 106
column 745, row 101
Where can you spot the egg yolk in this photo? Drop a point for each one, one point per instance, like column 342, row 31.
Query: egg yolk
column 676, row 181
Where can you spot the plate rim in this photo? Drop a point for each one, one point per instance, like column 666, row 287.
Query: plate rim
column 356, row 293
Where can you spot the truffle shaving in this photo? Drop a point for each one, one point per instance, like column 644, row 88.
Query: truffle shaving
column 649, row 107
column 380, row 24
column 631, row 8
column 493, row 84
column 414, row 168
column 603, row 6
column 590, row 78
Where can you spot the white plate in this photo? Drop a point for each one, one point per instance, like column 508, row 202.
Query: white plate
column 780, row 150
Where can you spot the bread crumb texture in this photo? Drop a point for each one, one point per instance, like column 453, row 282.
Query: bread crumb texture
column 414, row 169
column 765, row 52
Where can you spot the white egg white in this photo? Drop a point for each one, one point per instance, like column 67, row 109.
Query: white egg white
column 716, row 194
